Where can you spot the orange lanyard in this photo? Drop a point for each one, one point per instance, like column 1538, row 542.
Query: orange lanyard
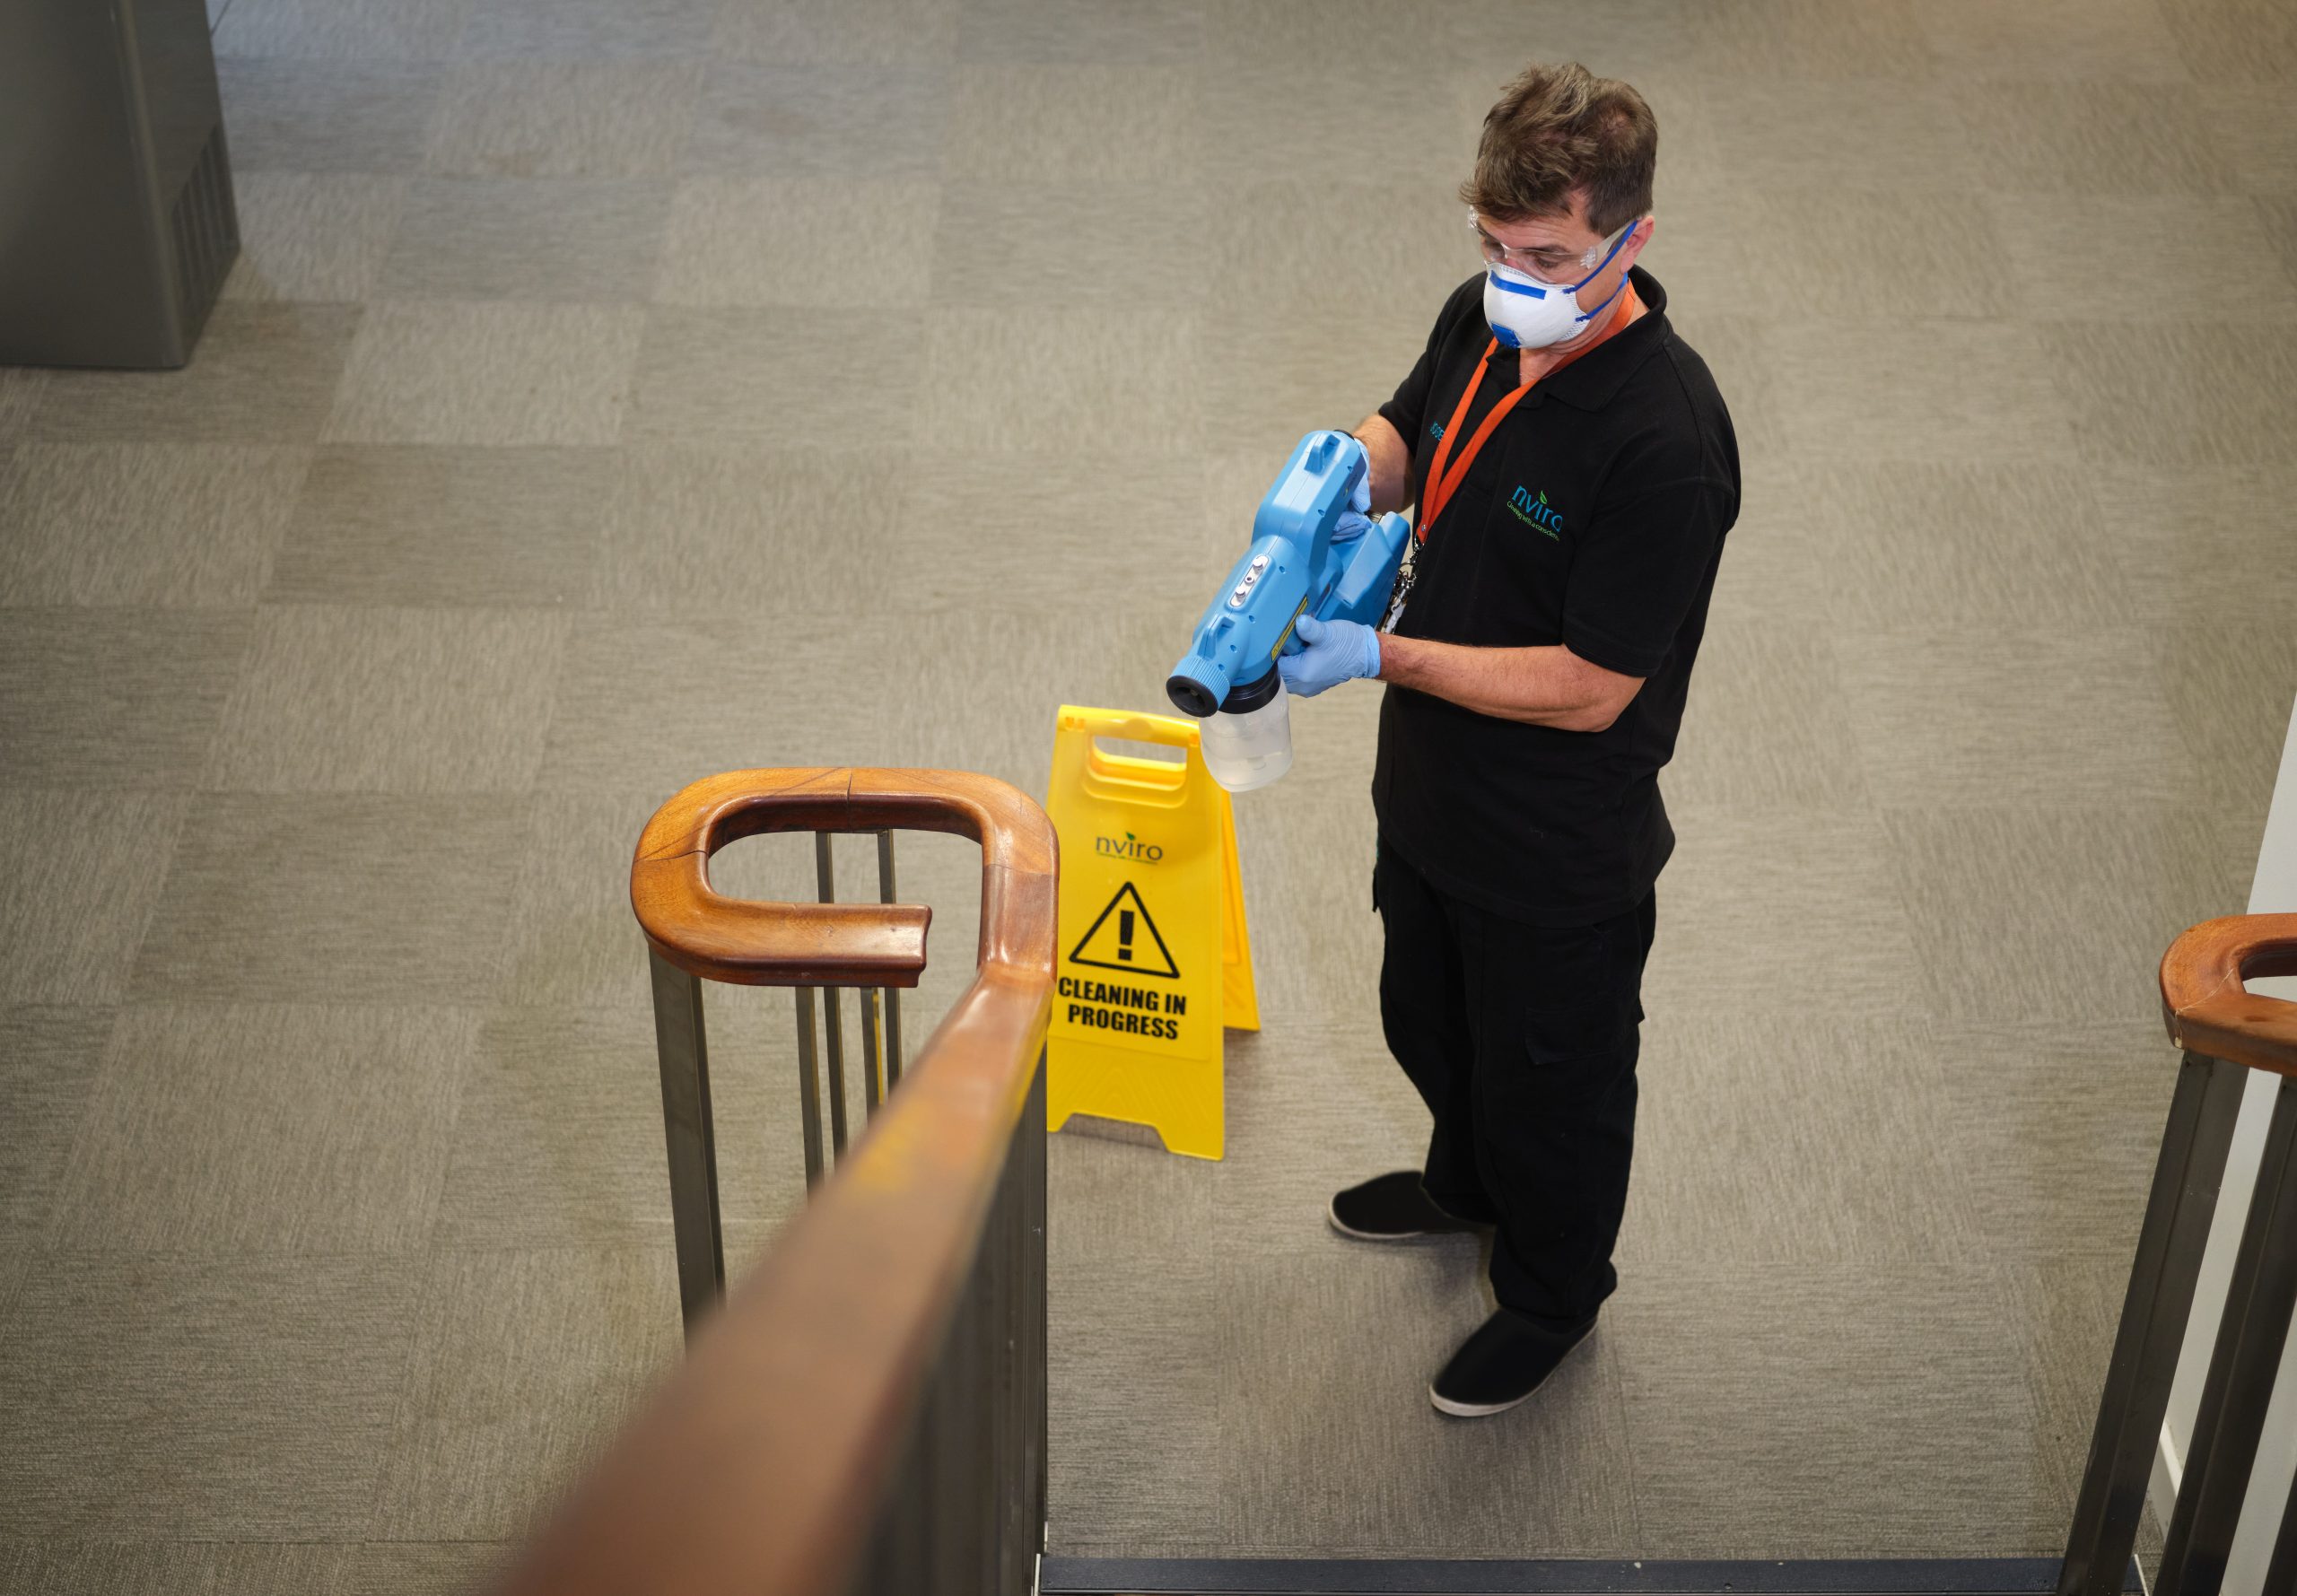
column 1436, row 491
column 1441, row 484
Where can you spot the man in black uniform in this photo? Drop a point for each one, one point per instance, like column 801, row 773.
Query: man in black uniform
column 1575, row 473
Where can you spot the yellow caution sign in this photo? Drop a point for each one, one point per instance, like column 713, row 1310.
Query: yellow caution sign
column 1156, row 957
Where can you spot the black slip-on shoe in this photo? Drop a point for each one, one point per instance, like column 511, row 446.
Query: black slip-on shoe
column 1393, row 1208
column 1505, row 1360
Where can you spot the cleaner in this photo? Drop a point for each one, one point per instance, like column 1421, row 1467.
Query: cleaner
column 1296, row 566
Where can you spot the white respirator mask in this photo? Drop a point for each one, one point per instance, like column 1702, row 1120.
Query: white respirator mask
column 1526, row 313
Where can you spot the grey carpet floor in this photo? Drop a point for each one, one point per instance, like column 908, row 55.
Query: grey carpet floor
column 613, row 393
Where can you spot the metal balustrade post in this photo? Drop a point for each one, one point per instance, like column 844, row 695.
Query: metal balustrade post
column 872, row 1087
column 683, row 1051
column 2161, row 1281
column 810, row 1087
column 833, row 1013
column 1036, row 1342
column 893, row 994
column 2280, row 1573
column 2242, row 1366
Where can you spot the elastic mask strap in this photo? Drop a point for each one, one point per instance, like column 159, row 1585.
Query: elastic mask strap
column 1617, row 244
column 1599, row 310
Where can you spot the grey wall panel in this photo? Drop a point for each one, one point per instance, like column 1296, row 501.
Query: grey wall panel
column 116, row 218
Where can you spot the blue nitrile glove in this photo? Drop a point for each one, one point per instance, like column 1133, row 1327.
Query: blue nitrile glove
column 1336, row 651
column 1356, row 519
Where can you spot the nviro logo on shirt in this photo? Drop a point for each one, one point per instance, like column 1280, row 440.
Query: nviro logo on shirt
column 1535, row 512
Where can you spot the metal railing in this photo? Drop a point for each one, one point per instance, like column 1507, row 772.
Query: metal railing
column 2225, row 1032
column 881, row 1056
column 867, row 1411
column 682, row 1047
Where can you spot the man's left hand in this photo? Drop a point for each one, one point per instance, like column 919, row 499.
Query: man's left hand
column 1332, row 652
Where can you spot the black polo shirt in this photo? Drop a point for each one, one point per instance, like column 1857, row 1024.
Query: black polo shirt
column 1594, row 517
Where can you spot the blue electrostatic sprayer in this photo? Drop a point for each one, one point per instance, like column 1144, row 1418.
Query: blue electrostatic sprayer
column 1292, row 568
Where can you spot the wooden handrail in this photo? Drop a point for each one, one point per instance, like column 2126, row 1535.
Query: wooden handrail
column 759, row 944
column 2209, row 1011
column 761, row 1462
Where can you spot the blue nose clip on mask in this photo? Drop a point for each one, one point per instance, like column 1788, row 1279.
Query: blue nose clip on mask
column 1526, row 313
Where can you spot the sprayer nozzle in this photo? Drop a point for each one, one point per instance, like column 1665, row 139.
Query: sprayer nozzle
column 1191, row 696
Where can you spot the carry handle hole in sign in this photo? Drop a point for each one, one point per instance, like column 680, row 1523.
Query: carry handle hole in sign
column 1156, row 768
column 1135, row 748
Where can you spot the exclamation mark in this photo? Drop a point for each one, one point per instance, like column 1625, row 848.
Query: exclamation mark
column 1124, row 933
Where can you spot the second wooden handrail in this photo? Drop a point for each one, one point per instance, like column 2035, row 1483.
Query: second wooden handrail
column 2207, row 1008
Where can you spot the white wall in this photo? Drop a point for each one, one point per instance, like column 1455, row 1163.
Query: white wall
column 2274, row 890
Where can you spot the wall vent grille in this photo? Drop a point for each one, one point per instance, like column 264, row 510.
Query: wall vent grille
column 206, row 233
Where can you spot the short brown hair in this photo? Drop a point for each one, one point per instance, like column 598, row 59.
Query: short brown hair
column 1560, row 130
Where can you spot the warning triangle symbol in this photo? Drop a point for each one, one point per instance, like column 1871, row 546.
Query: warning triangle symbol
column 1125, row 938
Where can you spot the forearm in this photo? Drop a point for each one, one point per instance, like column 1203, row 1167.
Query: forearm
column 1539, row 686
column 1390, row 460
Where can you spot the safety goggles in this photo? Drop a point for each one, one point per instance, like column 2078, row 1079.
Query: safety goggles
column 1551, row 264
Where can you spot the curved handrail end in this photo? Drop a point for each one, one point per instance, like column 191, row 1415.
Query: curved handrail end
column 2206, row 1008
column 732, row 939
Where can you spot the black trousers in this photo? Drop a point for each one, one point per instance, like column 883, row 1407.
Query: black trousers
column 1522, row 1040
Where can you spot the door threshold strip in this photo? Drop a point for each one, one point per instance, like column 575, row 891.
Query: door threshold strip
column 1621, row 1576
